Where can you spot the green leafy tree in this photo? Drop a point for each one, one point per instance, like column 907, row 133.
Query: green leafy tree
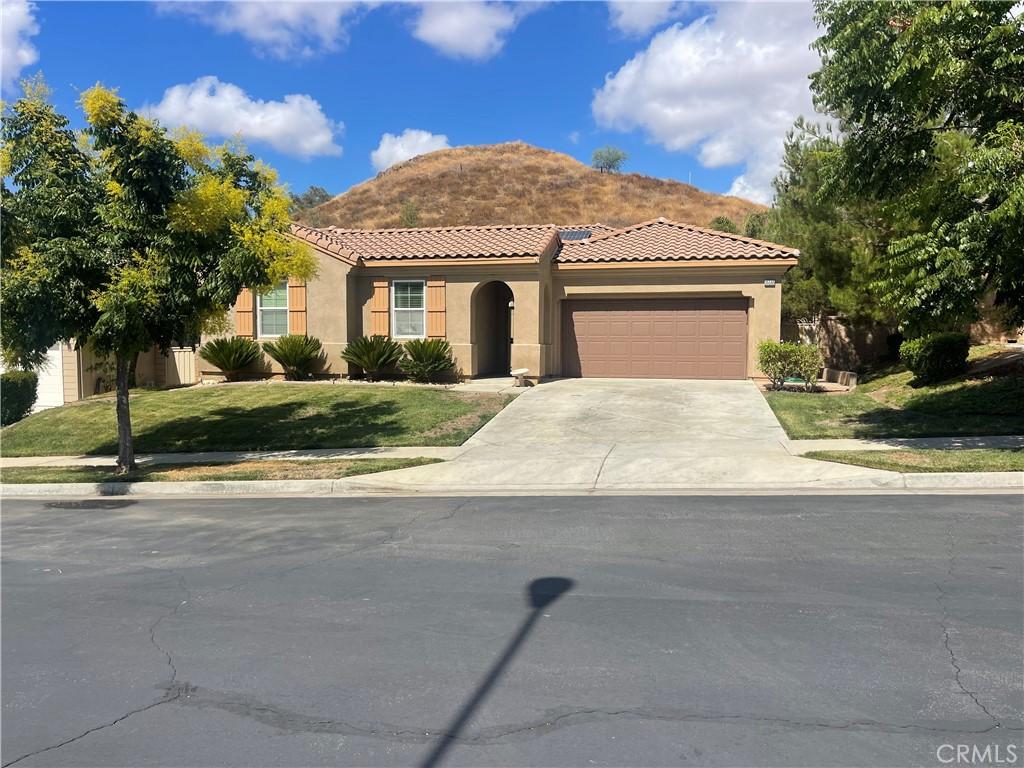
column 840, row 244
column 724, row 224
column 758, row 225
column 609, row 159
column 929, row 98
column 311, row 198
column 126, row 237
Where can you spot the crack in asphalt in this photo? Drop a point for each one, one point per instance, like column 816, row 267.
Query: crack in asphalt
column 166, row 700
column 171, row 694
column 944, row 624
column 174, row 691
column 281, row 718
column 156, row 624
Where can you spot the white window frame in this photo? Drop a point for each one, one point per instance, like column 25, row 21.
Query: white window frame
column 259, row 314
column 395, row 309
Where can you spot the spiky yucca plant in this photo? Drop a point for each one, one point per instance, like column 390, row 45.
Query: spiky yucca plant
column 373, row 354
column 299, row 355
column 232, row 354
column 427, row 360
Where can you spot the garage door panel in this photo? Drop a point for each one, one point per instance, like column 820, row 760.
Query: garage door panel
column 655, row 338
column 733, row 349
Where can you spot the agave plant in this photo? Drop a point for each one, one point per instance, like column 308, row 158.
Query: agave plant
column 426, row 360
column 232, row 354
column 299, row 355
column 373, row 354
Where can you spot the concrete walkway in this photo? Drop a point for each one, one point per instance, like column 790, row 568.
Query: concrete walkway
column 226, row 457
column 448, row 453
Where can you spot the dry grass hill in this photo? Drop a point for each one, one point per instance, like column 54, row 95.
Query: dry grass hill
column 517, row 183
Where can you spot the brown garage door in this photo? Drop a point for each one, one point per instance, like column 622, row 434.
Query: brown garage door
column 655, row 338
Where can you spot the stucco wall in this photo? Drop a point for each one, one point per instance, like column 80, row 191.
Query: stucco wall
column 461, row 284
column 327, row 318
column 327, row 312
column 763, row 315
column 339, row 304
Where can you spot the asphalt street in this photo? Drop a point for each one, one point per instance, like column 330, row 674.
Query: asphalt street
column 807, row 630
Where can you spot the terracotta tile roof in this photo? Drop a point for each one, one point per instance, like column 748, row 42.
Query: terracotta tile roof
column 439, row 242
column 664, row 240
column 324, row 241
column 582, row 231
column 595, row 227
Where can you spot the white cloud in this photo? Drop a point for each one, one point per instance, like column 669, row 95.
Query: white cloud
column 638, row 17
column 412, row 142
column 468, row 30
column 19, row 26
column 296, row 125
column 727, row 85
column 574, row 137
column 282, row 29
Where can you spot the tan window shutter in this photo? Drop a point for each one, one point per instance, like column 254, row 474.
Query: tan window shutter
column 244, row 309
column 435, row 308
column 297, row 306
column 380, row 308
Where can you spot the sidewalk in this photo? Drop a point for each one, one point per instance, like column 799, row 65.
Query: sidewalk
column 800, row 447
column 794, row 447
column 231, row 457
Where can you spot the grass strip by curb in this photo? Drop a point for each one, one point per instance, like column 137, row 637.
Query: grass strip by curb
column 313, row 469
column 930, row 459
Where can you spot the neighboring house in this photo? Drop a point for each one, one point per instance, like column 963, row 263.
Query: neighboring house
column 658, row 299
column 71, row 374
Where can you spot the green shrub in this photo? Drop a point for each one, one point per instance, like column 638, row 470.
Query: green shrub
column 778, row 360
column 17, row 395
column 427, row 360
column 373, row 354
column 773, row 361
column 232, row 354
column 300, row 356
column 936, row 357
column 808, row 363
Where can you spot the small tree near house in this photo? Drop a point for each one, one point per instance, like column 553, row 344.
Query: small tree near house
column 311, row 198
column 724, row 224
column 410, row 215
column 608, row 159
column 126, row 237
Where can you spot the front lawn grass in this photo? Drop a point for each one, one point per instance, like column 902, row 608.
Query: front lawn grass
column 931, row 460
column 259, row 416
column 886, row 405
column 313, row 469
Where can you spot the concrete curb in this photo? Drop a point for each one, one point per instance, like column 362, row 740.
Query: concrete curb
column 938, row 481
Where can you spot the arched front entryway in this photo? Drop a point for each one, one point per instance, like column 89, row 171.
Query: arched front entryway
column 492, row 328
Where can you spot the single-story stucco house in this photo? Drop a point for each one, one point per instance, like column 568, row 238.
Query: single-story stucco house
column 658, row 299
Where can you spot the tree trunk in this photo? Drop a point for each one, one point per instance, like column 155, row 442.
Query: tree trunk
column 132, row 381
column 125, row 448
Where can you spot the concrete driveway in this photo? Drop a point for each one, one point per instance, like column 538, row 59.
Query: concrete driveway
column 608, row 434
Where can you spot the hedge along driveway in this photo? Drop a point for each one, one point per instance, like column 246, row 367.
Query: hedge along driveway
column 249, row 417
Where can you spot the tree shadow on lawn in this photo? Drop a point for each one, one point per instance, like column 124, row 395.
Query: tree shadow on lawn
column 282, row 426
column 993, row 406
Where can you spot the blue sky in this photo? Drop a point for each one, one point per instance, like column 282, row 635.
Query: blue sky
column 689, row 90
